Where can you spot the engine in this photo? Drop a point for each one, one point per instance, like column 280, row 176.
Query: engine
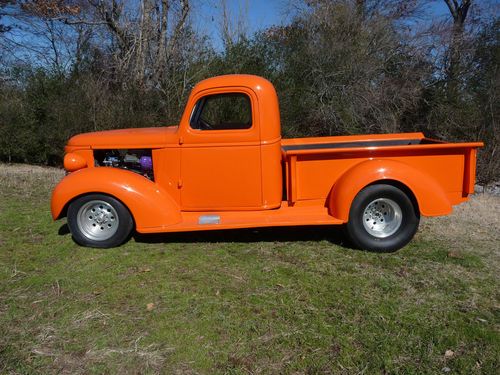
column 135, row 160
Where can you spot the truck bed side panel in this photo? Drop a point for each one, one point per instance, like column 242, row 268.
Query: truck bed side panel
column 314, row 168
column 317, row 174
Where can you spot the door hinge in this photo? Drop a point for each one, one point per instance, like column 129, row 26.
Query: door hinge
column 181, row 140
column 179, row 183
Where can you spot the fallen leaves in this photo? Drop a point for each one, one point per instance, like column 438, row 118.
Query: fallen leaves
column 150, row 306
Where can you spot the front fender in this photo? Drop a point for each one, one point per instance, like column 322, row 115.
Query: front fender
column 430, row 196
column 148, row 203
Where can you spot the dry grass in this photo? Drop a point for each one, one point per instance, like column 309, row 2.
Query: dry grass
column 16, row 173
column 473, row 226
column 19, row 179
column 238, row 302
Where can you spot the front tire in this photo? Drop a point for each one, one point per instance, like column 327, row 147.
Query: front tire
column 98, row 220
column 382, row 218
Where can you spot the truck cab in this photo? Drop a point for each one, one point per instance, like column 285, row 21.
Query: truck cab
column 226, row 166
column 230, row 145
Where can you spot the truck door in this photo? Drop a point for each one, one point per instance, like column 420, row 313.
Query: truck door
column 221, row 153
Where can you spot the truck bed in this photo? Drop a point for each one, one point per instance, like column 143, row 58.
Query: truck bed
column 313, row 165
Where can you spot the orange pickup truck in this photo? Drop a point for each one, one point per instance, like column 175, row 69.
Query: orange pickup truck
column 226, row 166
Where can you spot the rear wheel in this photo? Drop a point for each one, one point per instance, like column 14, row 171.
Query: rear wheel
column 98, row 220
column 382, row 218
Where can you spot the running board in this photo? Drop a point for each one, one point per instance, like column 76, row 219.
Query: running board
column 284, row 216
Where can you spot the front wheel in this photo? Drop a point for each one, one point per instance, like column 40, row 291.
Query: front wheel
column 382, row 218
column 98, row 220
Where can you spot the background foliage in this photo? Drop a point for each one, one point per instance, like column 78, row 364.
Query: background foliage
column 339, row 66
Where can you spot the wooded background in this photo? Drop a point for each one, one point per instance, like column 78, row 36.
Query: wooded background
column 339, row 66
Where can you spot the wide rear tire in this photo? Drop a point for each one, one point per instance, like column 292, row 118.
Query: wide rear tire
column 382, row 218
column 98, row 220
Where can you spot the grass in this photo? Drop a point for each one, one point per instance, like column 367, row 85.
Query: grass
column 291, row 301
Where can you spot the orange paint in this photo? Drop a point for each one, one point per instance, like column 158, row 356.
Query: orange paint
column 250, row 177
column 74, row 162
column 148, row 203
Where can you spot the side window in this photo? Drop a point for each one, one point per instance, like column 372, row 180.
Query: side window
column 222, row 112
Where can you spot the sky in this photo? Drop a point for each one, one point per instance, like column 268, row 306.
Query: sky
column 256, row 15
column 260, row 14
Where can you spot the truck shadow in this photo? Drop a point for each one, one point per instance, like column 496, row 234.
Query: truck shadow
column 332, row 234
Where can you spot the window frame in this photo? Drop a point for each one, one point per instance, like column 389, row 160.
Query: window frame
column 201, row 102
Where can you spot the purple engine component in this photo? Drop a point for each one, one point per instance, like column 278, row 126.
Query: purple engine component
column 146, row 163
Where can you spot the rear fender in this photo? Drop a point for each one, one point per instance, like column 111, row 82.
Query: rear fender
column 148, row 203
column 430, row 197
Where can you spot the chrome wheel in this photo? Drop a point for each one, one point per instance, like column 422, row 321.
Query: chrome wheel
column 97, row 220
column 382, row 217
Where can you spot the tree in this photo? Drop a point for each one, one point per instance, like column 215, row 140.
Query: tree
column 484, row 87
column 458, row 12
column 349, row 66
column 4, row 4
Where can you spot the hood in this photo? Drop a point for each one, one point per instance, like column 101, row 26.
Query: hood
column 127, row 138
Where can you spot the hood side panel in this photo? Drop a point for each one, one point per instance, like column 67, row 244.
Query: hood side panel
column 127, row 138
